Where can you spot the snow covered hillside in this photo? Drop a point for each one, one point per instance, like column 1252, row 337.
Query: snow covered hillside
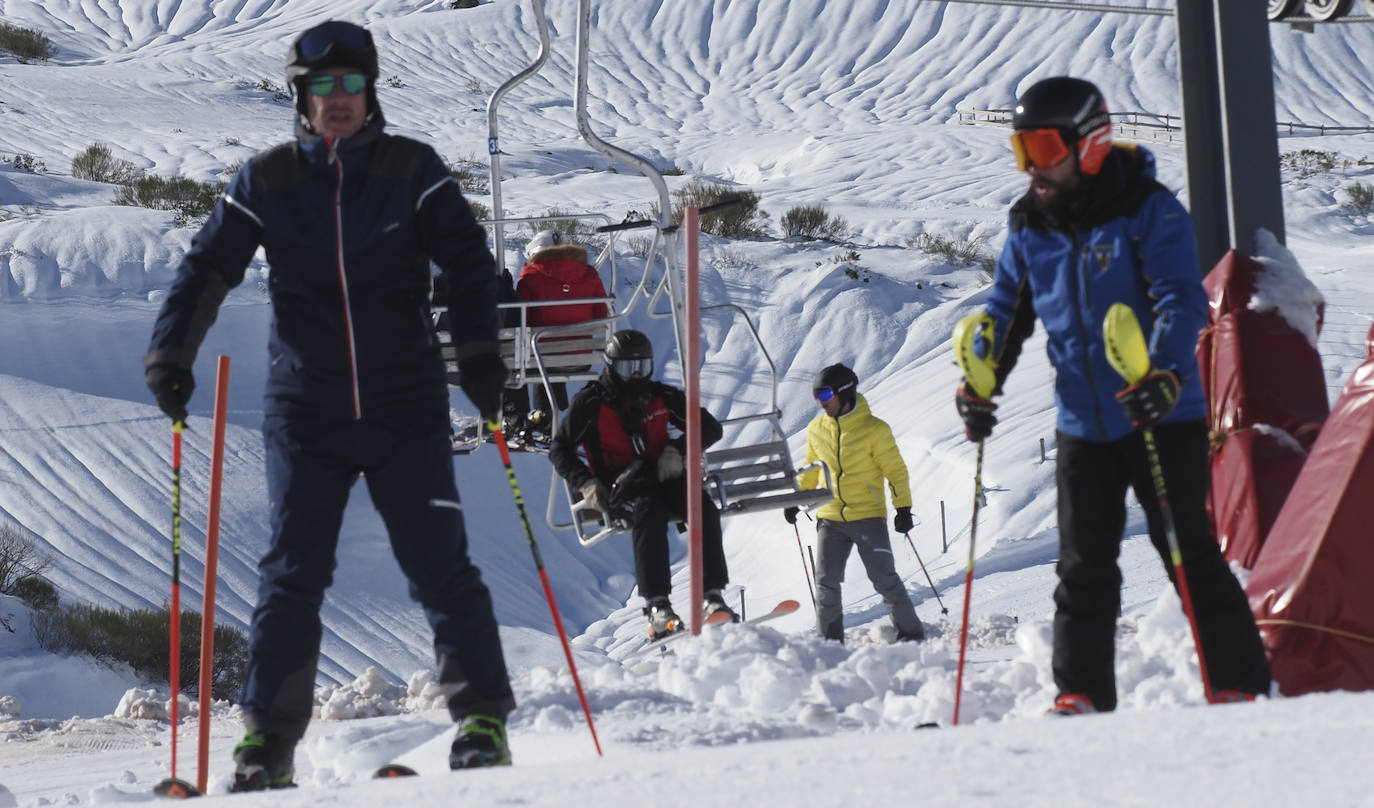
column 854, row 105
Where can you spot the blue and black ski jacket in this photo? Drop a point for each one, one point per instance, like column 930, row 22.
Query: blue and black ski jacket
column 349, row 229
column 1131, row 242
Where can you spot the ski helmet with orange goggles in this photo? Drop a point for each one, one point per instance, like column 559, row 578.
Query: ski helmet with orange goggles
column 1058, row 117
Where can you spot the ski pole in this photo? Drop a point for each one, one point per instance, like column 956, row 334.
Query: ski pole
column 973, row 351
column 1128, row 354
column 968, row 578
column 499, row 438
column 809, row 588
column 943, row 610
column 174, row 655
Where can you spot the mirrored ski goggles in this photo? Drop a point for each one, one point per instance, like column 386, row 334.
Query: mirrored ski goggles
column 352, row 83
column 824, row 394
column 629, row 368
column 322, row 38
column 1039, row 147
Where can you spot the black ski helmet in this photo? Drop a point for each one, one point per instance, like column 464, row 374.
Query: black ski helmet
column 629, row 346
column 1077, row 109
column 334, row 43
column 841, row 381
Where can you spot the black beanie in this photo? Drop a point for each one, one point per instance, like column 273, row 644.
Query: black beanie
column 839, row 379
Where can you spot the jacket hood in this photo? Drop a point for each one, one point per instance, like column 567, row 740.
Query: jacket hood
column 566, row 267
column 558, row 252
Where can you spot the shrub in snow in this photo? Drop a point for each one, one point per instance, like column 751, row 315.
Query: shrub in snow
column 10, row 707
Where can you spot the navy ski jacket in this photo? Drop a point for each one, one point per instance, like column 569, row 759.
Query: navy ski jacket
column 1131, row 242
column 349, row 229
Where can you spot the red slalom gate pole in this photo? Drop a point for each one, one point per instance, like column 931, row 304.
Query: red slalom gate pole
column 207, row 613
column 499, row 438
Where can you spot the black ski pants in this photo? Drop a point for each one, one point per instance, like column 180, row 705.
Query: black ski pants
column 649, row 516
column 310, row 469
column 1092, row 479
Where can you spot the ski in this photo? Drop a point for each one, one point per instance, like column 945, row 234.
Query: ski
column 174, row 788
column 720, row 618
column 393, row 770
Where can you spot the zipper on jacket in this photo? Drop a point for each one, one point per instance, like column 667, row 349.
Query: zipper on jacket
column 839, row 470
column 343, row 281
column 1086, row 303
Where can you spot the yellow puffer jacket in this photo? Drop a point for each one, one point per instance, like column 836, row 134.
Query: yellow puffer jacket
column 860, row 452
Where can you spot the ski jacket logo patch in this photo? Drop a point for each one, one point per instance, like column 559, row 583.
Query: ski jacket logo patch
column 1103, row 253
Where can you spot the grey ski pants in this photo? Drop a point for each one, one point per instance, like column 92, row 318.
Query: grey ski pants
column 875, row 550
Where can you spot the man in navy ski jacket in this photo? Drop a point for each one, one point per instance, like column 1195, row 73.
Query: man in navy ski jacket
column 1095, row 228
column 350, row 219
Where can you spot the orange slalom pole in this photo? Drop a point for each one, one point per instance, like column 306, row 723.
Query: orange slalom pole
column 207, row 613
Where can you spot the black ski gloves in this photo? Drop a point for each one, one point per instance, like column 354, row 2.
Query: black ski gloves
column 790, row 514
column 1152, row 398
column 902, row 521
column 172, row 387
column 977, row 412
column 483, row 378
column 597, row 494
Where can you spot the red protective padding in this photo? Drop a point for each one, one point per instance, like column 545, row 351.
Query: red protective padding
column 1260, row 370
column 1252, row 473
column 1310, row 587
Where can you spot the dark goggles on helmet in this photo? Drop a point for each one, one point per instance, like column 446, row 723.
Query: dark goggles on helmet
column 352, row 83
column 1039, row 147
column 320, row 40
column 629, row 368
column 824, row 394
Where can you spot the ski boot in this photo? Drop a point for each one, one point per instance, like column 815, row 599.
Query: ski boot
column 1072, row 704
column 662, row 619
column 262, row 761
column 713, row 604
column 481, row 742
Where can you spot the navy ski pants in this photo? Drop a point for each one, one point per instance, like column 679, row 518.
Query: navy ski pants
column 1092, row 479
column 310, row 469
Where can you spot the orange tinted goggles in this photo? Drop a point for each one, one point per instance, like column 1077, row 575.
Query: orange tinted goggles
column 1039, row 147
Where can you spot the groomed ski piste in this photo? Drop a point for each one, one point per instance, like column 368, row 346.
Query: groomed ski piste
column 853, row 105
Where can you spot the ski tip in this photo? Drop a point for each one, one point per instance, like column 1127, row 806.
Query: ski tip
column 393, row 770
column 928, row 725
column 174, row 788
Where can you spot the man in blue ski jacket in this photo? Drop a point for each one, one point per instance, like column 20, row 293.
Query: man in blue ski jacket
column 1095, row 228
column 350, row 219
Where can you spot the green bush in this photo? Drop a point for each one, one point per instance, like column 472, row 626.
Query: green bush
column 190, row 199
column 952, row 250
column 480, row 211
column 471, row 176
column 140, row 639
column 27, row 162
column 25, row 43
column 36, row 591
column 98, row 163
column 742, row 220
column 1308, row 162
column 1361, row 197
column 812, row 223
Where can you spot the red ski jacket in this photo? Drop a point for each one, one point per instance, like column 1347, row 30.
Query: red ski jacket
column 557, row 275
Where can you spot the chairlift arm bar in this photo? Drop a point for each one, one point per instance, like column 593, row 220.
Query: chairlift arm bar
column 773, row 449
